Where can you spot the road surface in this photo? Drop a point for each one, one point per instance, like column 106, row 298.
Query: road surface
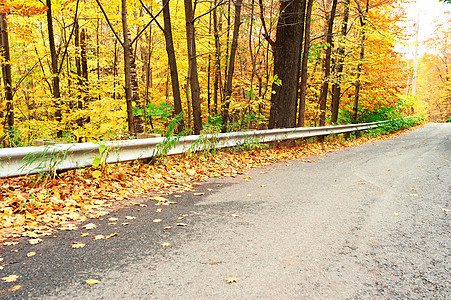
column 370, row 222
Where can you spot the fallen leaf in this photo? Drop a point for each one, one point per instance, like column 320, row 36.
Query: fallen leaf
column 157, row 220
column 165, row 244
column 124, row 224
column 84, row 234
column 159, row 210
column 10, row 278
column 130, row 218
column 113, row 219
column 181, row 224
column 445, row 209
column 10, row 243
column 68, row 226
column 198, row 194
column 99, row 237
column 249, row 195
column 77, row 245
column 158, row 198
column 396, row 214
column 14, row 288
column 92, row 281
column 234, row 215
column 110, row 235
column 30, row 254
column 232, row 279
column 34, row 241
column 177, row 196
column 167, row 227
column 90, row 226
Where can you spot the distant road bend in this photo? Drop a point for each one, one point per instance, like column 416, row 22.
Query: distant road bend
column 370, row 222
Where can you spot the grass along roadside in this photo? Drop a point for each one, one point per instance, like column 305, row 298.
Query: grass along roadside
column 33, row 207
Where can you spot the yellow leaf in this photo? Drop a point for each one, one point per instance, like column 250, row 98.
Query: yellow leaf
column 110, row 235
column 30, row 216
column 157, row 220
column 165, row 244
column 158, row 198
column 90, row 226
column 84, row 234
column 198, row 194
column 99, row 237
column 96, row 174
column 34, row 241
column 232, row 279
column 130, row 218
column 92, row 281
column 77, row 245
column 14, row 288
column 10, row 278
column 30, row 254
column 113, row 219
column 181, row 224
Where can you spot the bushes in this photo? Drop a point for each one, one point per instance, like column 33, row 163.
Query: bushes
column 395, row 125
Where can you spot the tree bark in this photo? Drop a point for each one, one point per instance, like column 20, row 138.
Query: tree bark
column 127, row 69
column 81, row 63
column 172, row 64
column 336, row 88
column 304, row 64
column 231, row 68
column 217, row 69
column 326, row 65
column 192, row 56
column 54, row 62
column 286, row 51
column 359, row 66
column 6, row 71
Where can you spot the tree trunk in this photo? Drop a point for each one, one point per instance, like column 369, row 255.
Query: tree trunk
column 286, row 51
column 359, row 67
column 81, row 64
column 6, row 71
column 326, row 65
column 194, row 80
column 304, row 64
column 172, row 64
column 217, row 60
column 336, row 89
column 127, row 70
column 228, row 89
column 54, row 61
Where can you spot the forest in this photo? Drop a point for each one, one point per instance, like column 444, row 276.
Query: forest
column 93, row 70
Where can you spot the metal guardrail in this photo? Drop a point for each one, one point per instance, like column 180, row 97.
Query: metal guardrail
column 31, row 160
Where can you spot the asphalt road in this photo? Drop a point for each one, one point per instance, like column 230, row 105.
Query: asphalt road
column 370, row 222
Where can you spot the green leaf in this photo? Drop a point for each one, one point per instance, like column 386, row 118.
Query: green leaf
column 96, row 162
column 102, row 148
column 96, row 174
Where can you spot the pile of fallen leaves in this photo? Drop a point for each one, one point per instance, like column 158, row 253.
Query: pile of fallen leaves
column 32, row 207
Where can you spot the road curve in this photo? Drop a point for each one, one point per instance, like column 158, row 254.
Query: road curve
column 370, row 222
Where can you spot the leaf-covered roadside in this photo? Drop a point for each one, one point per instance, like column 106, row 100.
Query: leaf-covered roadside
column 34, row 208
